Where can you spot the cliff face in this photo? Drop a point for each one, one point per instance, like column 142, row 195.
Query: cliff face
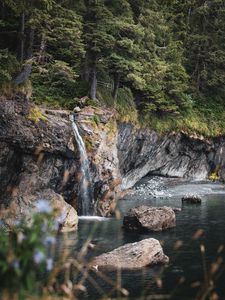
column 38, row 155
column 142, row 152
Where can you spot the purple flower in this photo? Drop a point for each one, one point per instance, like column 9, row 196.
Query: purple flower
column 49, row 240
column 43, row 206
column 38, row 257
column 61, row 218
column 49, row 264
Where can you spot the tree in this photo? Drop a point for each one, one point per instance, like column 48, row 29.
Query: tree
column 98, row 40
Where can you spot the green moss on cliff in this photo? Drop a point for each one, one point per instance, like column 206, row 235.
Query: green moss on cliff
column 35, row 115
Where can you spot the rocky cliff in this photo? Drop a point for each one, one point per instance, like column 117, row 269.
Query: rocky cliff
column 38, row 155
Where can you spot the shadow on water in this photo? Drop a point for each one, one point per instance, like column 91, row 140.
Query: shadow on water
column 182, row 277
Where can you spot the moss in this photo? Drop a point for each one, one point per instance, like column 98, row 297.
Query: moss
column 35, row 115
column 88, row 144
column 111, row 128
column 96, row 119
column 215, row 174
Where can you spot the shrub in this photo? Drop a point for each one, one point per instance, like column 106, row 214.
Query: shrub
column 25, row 253
column 8, row 67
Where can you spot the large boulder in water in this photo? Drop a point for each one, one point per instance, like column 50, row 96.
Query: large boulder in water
column 150, row 218
column 137, row 255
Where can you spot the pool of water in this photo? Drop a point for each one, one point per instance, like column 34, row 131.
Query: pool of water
column 189, row 267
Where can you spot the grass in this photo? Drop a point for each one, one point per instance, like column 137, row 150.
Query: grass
column 206, row 120
column 206, row 117
column 9, row 90
column 124, row 105
column 35, row 115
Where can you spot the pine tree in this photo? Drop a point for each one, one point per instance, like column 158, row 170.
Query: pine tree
column 98, row 40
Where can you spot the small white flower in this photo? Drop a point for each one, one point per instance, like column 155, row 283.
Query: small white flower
column 38, row 257
column 49, row 264
column 43, row 206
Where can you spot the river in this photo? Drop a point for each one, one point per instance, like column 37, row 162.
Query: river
column 189, row 267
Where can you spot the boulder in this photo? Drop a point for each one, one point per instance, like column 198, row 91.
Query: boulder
column 191, row 199
column 150, row 218
column 66, row 215
column 137, row 255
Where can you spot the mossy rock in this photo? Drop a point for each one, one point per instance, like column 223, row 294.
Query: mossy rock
column 35, row 115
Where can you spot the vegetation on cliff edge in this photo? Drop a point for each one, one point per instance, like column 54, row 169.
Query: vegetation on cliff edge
column 159, row 63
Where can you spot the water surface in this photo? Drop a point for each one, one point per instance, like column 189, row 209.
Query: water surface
column 187, row 263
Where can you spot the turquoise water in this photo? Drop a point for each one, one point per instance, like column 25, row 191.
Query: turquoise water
column 180, row 279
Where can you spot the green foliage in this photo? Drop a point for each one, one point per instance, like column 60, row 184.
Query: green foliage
column 214, row 176
column 24, row 254
column 169, row 54
column 126, row 107
column 56, row 84
column 8, row 67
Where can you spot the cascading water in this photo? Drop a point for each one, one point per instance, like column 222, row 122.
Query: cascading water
column 87, row 205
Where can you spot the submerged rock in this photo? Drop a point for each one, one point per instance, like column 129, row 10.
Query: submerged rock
column 137, row 255
column 191, row 199
column 150, row 218
column 176, row 209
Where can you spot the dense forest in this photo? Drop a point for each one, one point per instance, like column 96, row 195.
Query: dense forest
column 162, row 58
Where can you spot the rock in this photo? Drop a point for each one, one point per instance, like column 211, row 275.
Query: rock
column 191, row 199
column 77, row 109
column 43, row 155
column 67, row 214
column 64, row 212
column 176, row 209
column 137, row 255
column 146, row 218
column 143, row 151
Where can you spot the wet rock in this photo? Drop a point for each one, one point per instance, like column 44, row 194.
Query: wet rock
column 137, row 255
column 64, row 213
column 146, row 218
column 176, row 209
column 191, row 199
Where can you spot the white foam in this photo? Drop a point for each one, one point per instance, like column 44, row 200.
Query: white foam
column 93, row 218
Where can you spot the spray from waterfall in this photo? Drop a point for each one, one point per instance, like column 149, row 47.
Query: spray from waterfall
column 87, row 205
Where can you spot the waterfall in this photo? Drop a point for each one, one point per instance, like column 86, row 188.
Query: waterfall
column 87, row 205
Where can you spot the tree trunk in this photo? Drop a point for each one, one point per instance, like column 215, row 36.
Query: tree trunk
column 116, row 86
column 22, row 42
column 31, row 43
column 86, row 71
column 93, row 83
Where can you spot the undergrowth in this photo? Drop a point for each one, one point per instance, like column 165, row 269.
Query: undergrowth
column 207, row 120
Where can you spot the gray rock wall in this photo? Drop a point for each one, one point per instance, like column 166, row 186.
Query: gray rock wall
column 142, row 152
column 35, row 157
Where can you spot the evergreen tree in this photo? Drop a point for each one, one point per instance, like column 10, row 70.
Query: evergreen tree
column 98, row 40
